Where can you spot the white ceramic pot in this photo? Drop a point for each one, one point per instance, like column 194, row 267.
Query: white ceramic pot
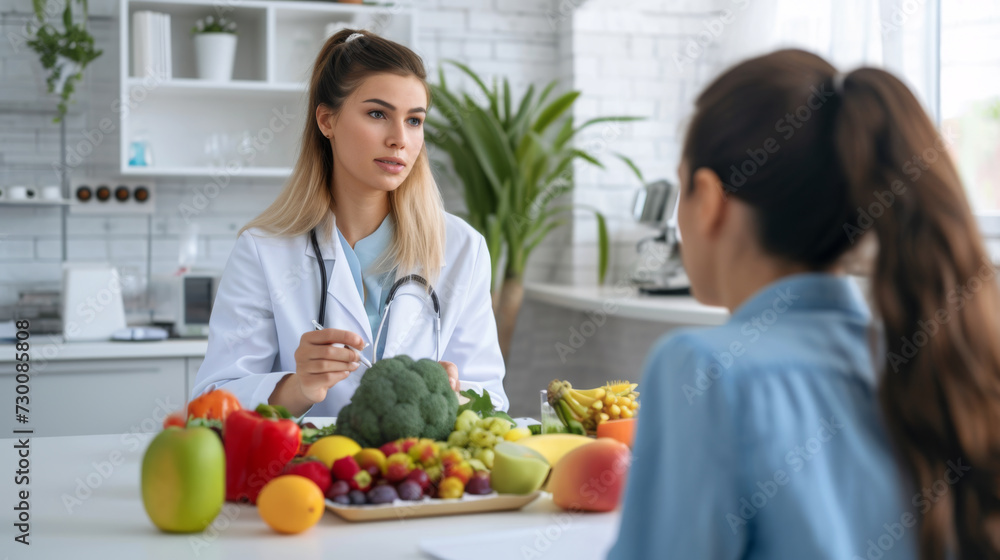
column 215, row 53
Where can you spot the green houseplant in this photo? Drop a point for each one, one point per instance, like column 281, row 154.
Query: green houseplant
column 64, row 53
column 514, row 159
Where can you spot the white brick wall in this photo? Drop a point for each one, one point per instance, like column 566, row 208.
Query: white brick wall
column 617, row 55
column 624, row 65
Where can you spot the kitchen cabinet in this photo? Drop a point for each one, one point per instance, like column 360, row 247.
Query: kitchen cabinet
column 249, row 126
column 108, row 396
column 82, row 388
column 192, row 372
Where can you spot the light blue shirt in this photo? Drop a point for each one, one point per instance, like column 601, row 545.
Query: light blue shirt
column 360, row 258
column 762, row 438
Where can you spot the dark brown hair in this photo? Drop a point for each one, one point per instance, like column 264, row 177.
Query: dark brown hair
column 826, row 158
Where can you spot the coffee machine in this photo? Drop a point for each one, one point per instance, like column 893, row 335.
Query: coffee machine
column 658, row 269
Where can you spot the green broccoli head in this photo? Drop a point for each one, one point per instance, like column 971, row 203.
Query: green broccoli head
column 397, row 398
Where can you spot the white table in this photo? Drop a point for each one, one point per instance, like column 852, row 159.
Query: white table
column 110, row 522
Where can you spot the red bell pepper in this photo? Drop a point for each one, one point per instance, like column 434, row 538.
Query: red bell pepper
column 258, row 446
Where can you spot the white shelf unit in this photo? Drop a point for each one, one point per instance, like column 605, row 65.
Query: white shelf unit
column 264, row 104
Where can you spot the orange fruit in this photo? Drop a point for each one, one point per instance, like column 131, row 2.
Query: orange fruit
column 622, row 429
column 330, row 448
column 290, row 503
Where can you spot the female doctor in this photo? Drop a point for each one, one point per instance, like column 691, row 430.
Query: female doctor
column 363, row 186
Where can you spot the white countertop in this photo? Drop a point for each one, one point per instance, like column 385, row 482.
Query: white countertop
column 52, row 347
column 83, row 507
column 618, row 301
column 627, row 301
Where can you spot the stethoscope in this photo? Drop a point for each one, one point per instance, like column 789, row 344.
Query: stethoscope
column 414, row 278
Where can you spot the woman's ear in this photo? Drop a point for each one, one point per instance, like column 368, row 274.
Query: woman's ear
column 709, row 202
column 324, row 119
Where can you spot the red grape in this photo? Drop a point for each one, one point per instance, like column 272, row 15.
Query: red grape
column 420, row 477
column 479, row 484
column 338, row 488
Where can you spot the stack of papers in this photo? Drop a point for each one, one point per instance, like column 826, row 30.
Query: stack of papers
column 151, row 45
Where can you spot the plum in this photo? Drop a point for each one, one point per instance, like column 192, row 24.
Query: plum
column 357, row 497
column 382, row 495
column 410, row 490
column 342, row 499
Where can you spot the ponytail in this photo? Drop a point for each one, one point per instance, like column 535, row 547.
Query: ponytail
column 937, row 295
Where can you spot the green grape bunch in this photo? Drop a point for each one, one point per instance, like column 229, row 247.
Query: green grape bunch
column 478, row 436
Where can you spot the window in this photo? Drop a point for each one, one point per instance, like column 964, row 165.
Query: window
column 970, row 95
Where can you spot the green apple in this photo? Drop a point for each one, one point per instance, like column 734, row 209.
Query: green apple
column 517, row 469
column 184, row 479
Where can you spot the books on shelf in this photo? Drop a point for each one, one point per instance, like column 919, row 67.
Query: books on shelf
column 151, row 45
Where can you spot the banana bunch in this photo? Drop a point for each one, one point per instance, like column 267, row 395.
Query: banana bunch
column 583, row 410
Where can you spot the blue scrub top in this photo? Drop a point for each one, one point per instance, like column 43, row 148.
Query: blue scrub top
column 370, row 286
column 762, row 438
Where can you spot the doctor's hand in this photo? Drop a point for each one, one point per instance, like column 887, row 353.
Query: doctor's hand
column 318, row 366
column 452, row 371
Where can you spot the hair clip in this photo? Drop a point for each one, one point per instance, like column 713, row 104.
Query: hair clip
column 353, row 36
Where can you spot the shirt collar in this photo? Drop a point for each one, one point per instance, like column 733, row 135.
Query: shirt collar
column 332, row 250
column 811, row 291
column 371, row 248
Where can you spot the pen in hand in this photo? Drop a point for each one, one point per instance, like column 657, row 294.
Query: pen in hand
column 361, row 356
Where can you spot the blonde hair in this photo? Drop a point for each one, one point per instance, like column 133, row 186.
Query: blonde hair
column 306, row 199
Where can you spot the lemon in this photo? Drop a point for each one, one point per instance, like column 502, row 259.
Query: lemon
column 330, row 448
column 290, row 503
column 515, row 434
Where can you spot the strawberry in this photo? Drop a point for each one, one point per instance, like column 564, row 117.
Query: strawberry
column 311, row 468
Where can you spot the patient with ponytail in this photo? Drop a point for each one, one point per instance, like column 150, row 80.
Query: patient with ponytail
column 812, row 425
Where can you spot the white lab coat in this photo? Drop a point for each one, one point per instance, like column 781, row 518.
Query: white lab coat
column 269, row 295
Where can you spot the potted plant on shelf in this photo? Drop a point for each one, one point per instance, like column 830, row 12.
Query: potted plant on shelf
column 215, row 48
column 63, row 53
column 514, row 159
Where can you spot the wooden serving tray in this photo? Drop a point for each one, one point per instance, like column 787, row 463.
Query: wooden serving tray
column 431, row 507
